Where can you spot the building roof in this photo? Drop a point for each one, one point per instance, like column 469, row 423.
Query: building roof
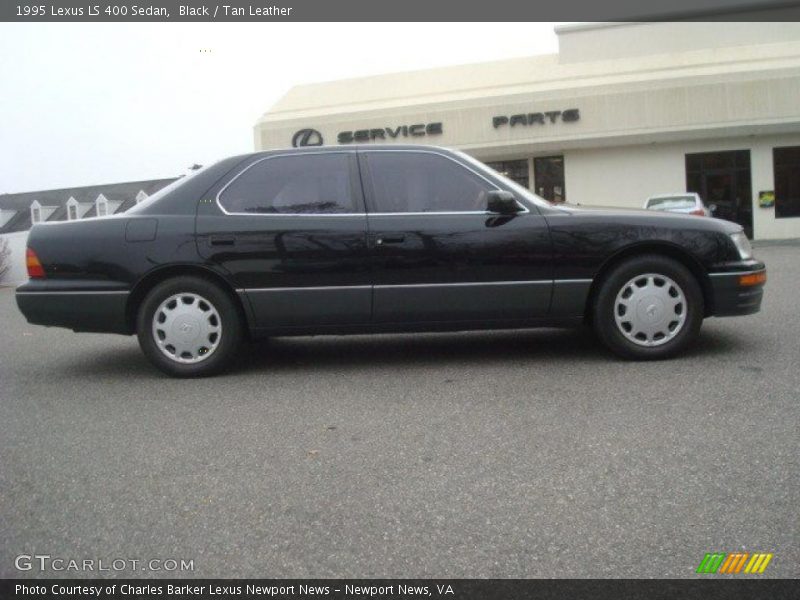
column 124, row 194
column 593, row 56
column 623, row 83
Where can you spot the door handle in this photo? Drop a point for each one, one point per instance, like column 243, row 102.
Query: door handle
column 222, row 240
column 389, row 239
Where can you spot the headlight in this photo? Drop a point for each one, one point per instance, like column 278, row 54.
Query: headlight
column 742, row 245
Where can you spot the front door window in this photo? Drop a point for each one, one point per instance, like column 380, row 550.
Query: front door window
column 416, row 182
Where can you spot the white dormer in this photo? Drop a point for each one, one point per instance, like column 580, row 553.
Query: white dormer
column 101, row 204
column 39, row 213
column 105, row 207
column 6, row 215
column 77, row 210
column 141, row 196
column 72, row 209
column 36, row 212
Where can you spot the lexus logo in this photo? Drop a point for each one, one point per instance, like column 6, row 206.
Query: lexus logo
column 307, row 137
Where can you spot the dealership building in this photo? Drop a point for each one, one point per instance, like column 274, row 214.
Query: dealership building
column 624, row 111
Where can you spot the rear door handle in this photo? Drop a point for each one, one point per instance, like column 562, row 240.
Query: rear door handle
column 222, row 240
column 389, row 239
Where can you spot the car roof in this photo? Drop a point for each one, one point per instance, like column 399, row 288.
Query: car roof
column 349, row 147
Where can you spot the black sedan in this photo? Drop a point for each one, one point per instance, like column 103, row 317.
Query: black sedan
column 378, row 239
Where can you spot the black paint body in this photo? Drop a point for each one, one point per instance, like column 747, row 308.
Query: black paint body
column 367, row 271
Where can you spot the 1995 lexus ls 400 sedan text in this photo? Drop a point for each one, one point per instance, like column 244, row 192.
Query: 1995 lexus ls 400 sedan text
column 378, row 239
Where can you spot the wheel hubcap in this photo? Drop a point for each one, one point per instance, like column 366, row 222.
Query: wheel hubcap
column 650, row 309
column 187, row 328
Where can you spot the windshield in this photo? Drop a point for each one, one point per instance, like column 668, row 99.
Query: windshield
column 671, row 202
column 522, row 191
column 166, row 190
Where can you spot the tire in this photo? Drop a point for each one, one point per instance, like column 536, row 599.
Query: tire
column 648, row 307
column 189, row 327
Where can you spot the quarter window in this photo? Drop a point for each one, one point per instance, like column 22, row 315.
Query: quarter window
column 424, row 182
column 315, row 184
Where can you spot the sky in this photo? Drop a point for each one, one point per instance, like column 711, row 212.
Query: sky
column 86, row 103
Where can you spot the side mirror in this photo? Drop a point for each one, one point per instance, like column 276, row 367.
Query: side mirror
column 501, row 202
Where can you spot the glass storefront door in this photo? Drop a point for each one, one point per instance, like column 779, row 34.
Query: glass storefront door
column 548, row 174
column 723, row 179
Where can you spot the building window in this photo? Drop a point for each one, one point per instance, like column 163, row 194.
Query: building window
column 516, row 170
column 72, row 212
column 36, row 214
column 548, row 172
column 787, row 181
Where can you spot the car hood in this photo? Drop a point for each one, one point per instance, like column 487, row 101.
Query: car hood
column 655, row 217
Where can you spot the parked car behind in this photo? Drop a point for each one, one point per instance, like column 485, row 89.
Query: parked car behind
column 688, row 203
column 378, row 239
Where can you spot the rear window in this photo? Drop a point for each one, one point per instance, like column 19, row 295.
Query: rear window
column 671, row 202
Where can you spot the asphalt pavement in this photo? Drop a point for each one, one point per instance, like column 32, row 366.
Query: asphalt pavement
column 505, row 454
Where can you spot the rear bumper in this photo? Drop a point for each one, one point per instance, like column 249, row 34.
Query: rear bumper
column 732, row 298
column 99, row 311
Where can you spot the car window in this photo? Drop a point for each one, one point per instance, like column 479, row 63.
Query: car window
column 424, row 182
column 310, row 184
column 671, row 202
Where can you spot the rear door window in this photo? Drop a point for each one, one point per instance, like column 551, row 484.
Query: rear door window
column 299, row 184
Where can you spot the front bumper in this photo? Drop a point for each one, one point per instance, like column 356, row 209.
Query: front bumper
column 94, row 310
column 732, row 297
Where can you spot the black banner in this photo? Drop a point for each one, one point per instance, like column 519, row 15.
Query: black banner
column 400, row 589
column 39, row 11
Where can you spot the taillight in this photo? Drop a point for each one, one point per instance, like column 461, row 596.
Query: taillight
column 698, row 212
column 35, row 269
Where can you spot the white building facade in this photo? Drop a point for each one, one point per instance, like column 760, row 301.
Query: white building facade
column 624, row 111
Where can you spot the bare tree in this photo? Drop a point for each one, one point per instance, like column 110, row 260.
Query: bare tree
column 5, row 257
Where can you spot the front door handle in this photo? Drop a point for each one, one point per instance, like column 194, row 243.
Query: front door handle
column 389, row 239
column 222, row 240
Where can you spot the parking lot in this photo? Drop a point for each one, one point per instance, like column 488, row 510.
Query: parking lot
column 503, row 454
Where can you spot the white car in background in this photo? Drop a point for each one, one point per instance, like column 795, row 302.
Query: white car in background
column 687, row 203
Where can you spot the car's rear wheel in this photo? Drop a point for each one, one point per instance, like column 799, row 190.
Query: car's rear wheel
column 648, row 307
column 189, row 327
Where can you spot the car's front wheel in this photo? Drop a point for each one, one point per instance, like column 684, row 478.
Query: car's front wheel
column 648, row 307
column 189, row 327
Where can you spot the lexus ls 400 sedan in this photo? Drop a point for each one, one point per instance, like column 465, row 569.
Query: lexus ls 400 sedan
column 378, row 239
